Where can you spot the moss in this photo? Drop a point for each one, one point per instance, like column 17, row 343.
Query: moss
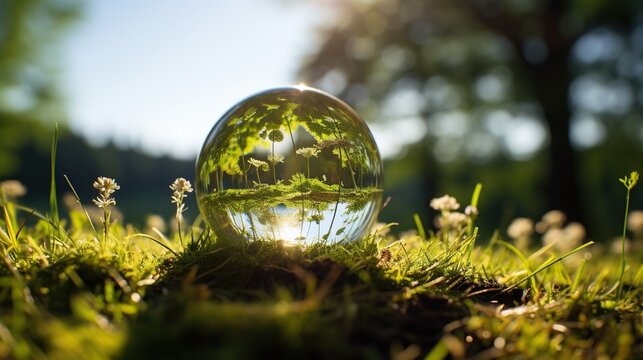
column 372, row 299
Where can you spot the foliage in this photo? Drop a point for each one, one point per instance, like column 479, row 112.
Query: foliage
column 29, row 95
column 260, row 121
column 475, row 74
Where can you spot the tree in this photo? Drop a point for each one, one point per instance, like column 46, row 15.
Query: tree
column 30, row 31
column 483, row 56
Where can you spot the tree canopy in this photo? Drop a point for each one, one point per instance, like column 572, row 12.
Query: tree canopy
column 493, row 80
column 30, row 32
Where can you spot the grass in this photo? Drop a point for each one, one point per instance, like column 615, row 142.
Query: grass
column 67, row 291
column 299, row 188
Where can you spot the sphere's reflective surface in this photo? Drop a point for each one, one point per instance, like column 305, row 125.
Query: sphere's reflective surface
column 291, row 164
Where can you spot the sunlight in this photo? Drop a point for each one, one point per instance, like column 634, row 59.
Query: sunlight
column 301, row 87
column 289, row 232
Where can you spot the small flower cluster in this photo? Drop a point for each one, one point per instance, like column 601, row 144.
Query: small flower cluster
column 520, row 230
column 444, row 203
column 635, row 223
column 11, row 190
column 275, row 159
column 635, row 226
column 106, row 187
column 555, row 232
column 180, row 188
column 454, row 220
column 258, row 164
column 449, row 219
column 308, row 152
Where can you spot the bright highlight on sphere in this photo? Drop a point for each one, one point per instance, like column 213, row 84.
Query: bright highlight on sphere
column 291, row 164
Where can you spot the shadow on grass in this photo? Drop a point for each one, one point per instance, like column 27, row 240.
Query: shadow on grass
column 325, row 301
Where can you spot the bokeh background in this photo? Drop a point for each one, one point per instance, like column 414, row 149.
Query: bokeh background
column 539, row 100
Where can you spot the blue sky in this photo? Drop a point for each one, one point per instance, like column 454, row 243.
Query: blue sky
column 157, row 75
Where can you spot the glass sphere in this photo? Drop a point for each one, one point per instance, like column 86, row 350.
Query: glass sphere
column 292, row 164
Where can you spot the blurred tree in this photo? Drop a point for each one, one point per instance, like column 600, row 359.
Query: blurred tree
column 490, row 78
column 30, row 31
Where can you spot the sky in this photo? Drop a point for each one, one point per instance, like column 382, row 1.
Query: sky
column 156, row 75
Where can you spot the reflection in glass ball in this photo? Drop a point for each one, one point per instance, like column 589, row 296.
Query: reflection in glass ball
column 290, row 164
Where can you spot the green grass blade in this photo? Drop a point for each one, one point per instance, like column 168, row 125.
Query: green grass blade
column 476, row 195
column 48, row 220
column 577, row 276
column 474, row 203
column 474, row 236
column 159, row 242
column 53, row 198
column 89, row 219
column 522, row 258
column 546, row 265
column 4, row 238
column 10, row 231
column 439, row 352
column 420, row 226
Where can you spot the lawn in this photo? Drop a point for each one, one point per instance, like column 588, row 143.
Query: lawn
column 85, row 288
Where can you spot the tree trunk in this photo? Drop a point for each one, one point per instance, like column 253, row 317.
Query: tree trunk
column 551, row 82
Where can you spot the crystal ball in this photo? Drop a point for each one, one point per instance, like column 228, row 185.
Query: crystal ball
column 291, row 164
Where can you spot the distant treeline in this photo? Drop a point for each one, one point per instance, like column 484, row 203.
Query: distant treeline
column 144, row 179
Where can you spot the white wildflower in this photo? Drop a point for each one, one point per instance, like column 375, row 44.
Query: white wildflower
column 574, row 234
column 258, row 164
column 445, row 203
column 12, row 189
column 567, row 238
column 308, row 152
column 616, row 246
column 180, row 188
column 541, row 227
column 554, row 218
column 156, row 222
column 275, row 159
column 106, row 187
column 104, row 203
column 471, row 210
column 635, row 222
column 453, row 220
column 553, row 235
column 316, row 218
column 520, row 228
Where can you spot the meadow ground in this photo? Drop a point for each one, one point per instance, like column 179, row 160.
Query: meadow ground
column 90, row 287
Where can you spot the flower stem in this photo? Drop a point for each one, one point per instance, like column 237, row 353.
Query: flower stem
column 619, row 291
column 274, row 174
column 178, row 228
column 106, row 215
